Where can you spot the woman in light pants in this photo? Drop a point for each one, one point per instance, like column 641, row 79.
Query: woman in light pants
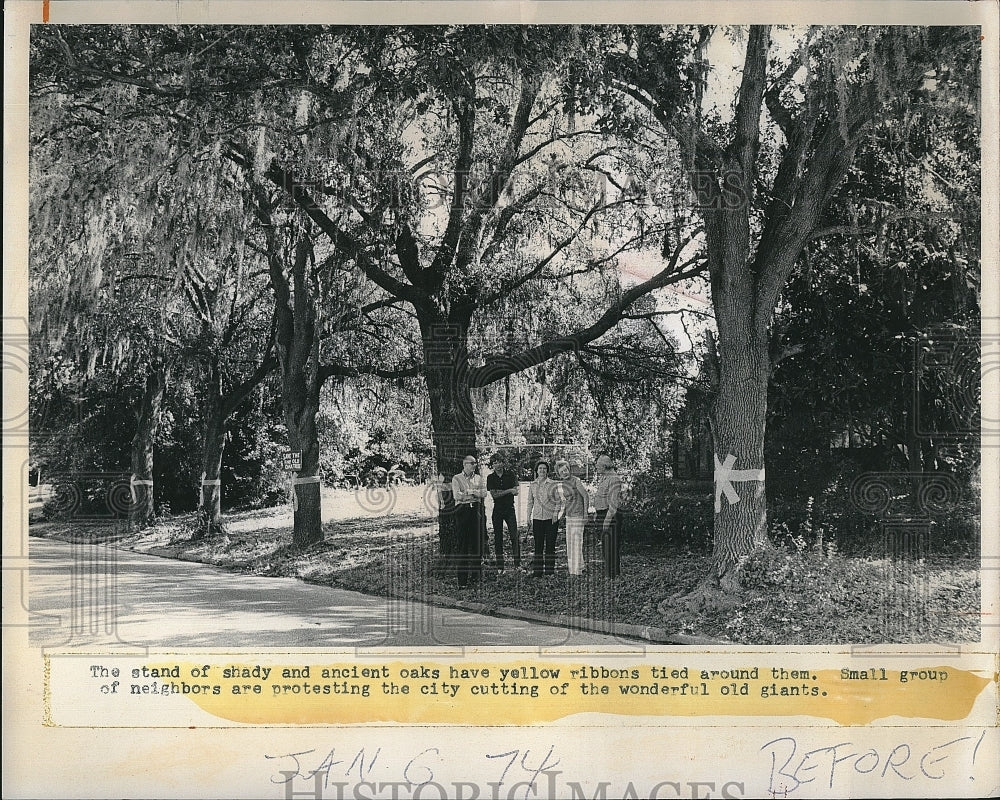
column 575, row 502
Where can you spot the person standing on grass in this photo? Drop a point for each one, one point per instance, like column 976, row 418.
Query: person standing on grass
column 607, row 500
column 469, row 490
column 542, row 504
column 575, row 502
column 484, row 535
column 503, row 486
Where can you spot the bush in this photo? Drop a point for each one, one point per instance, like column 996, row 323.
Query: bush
column 680, row 514
column 799, row 592
column 859, row 532
column 255, row 477
column 87, row 496
column 252, row 472
column 817, row 500
column 669, row 512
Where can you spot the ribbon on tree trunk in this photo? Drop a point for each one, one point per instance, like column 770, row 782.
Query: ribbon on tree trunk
column 293, row 482
column 725, row 476
column 204, row 483
column 133, row 482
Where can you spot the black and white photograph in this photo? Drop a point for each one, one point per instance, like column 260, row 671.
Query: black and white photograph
column 703, row 300
column 619, row 333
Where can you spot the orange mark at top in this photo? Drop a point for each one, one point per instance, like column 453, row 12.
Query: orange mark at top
column 45, row 10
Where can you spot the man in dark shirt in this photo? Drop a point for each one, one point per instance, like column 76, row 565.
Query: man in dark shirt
column 503, row 487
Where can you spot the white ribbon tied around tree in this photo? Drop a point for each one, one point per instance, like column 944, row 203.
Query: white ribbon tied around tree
column 204, row 483
column 299, row 482
column 133, row 482
column 725, row 476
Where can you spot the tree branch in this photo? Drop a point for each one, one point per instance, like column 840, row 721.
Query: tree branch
column 466, row 112
column 772, row 98
column 746, row 138
column 506, row 215
column 529, row 154
column 894, row 216
column 241, row 392
column 497, row 368
column 347, row 244
column 785, row 235
column 517, row 283
column 355, row 313
column 494, row 186
column 706, row 153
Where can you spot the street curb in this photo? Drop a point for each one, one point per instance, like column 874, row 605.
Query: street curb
column 647, row 633
column 160, row 552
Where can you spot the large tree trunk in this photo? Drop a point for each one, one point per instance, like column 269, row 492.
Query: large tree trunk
column 217, row 408
column 147, row 419
column 738, row 421
column 453, row 423
column 296, row 339
column 739, row 411
column 297, row 345
column 300, row 407
column 214, row 443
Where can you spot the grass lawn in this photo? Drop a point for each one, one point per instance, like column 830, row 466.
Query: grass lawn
column 791, row 597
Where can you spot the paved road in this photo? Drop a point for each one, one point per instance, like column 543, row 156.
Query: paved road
column 84, row 595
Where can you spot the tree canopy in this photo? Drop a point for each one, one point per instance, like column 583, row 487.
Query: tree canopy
column 470, row 219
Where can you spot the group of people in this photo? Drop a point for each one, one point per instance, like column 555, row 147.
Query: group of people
column 553, row 495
